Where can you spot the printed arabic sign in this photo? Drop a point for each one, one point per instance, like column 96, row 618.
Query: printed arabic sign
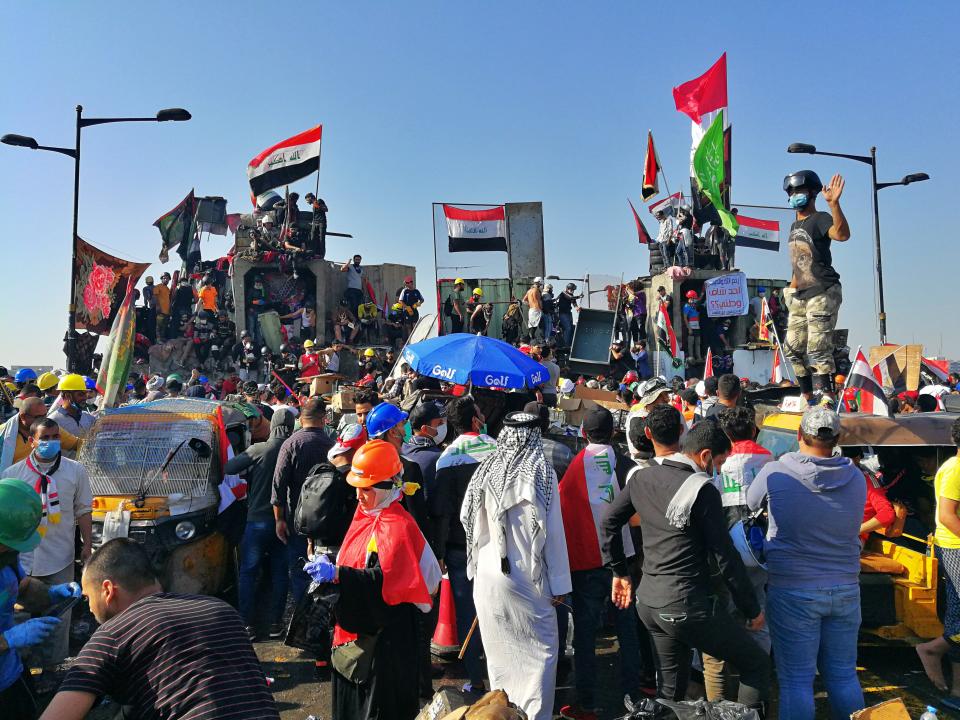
column 726, row 296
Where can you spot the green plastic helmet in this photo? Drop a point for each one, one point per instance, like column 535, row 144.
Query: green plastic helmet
column 20, row 512
column 174, row 376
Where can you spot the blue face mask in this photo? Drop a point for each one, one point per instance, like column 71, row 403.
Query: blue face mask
column 798, row 200
column 48, row 449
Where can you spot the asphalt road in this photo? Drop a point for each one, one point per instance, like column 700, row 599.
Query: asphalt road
column 885, row 672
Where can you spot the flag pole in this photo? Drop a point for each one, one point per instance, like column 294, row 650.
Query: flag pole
column 436, row 270
column 779, row 347
column 316, row 192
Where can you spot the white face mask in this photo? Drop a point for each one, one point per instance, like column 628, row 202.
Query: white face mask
column 441, row 433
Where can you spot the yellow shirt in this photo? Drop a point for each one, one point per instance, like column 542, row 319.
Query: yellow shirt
column 947, row 485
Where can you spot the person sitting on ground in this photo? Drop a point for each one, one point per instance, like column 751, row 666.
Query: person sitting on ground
column 159, row 654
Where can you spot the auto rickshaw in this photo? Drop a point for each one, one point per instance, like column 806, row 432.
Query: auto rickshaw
column 899, row 578
column 156, row 470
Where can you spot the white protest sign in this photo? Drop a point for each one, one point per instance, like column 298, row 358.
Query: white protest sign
column 726, row 296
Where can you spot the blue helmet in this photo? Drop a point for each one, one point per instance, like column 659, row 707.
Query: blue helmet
column 383, row 417
column 25, row 375
column 90, row 383
column 203, row 380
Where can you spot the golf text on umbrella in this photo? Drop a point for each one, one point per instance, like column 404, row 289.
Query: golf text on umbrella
column 439, row 371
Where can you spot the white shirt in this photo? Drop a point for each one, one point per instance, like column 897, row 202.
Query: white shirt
column 66, row 421
column 56, row 550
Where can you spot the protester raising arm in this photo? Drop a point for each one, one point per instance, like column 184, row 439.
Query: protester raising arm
column 840, row 230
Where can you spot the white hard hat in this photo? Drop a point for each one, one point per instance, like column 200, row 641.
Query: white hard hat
column 538, row 280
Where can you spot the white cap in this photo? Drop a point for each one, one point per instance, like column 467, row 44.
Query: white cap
column 538, row 281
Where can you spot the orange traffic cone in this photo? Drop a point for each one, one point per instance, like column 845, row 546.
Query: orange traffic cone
column 445, row 637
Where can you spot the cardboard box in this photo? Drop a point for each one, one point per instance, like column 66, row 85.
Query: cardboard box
column 323, row 384
column 889, row 710
column 343, row 400
column 573, row 409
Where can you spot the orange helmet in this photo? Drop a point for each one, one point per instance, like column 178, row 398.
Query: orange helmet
column 376, row 462
column 840, row 379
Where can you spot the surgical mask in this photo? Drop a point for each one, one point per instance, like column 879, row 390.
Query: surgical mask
column 48, row 449
column 798, row 200
column 441, row 433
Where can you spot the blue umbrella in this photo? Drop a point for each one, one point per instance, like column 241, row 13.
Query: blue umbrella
column 461, row 358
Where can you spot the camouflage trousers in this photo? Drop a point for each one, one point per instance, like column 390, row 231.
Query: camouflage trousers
column 808, row 344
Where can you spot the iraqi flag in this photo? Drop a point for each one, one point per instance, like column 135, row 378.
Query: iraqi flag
column 666, row 337
column 285, row 162
column 651, row 170
column 708, row 364
column 759, row 234
column 476, row 230
column 671, row 201
column 763, row 325
column 776, row 372
column 867, row 380
column 643, row 237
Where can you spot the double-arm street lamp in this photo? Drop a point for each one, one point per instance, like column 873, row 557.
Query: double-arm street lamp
column 870, row 160
column 171, row 114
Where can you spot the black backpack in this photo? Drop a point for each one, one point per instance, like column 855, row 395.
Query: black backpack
column 326, row 505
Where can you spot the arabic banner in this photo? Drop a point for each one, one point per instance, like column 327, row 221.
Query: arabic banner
column 101, row 282
column 726, row 296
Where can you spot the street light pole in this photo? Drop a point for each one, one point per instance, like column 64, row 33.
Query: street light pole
column 876, row 239
column 167, row 115
column 870, row 160
column 72, row 306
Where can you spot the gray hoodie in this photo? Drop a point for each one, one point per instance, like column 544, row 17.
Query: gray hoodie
column 257, row 463
column 815, row 508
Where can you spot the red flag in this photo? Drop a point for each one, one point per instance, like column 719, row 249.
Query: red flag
column 708, row 364
column 651, row 171
column 867, row 380
column 642, row 235
column 704, row 94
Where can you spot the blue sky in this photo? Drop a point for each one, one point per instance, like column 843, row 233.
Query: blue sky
column 469, row 101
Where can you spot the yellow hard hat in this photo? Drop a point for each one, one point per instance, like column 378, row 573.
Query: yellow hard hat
column 478, row 292
column 369, row 352
column 47, row 381
column 458, row 281
column 308, row 343
column 11, row 387
column 72, row 383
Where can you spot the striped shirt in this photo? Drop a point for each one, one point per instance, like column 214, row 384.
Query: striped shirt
column 175, row 656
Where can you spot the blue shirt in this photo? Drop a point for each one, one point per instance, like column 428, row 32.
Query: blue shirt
column 692, row 315
column 10, row 666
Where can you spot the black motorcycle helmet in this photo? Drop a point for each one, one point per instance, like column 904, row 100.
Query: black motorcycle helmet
column 284, row 348
column 802, row 179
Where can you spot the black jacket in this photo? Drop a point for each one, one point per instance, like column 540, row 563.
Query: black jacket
column 676, row 562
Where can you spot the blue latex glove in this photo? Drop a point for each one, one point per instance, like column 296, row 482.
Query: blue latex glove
column 322, row 570
column 64, row 591
column 31, row 632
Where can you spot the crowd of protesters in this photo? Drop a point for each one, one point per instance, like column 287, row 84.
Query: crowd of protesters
column 704, row 550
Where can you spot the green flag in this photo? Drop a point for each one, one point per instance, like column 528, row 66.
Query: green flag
column 177, row 227
column 708, row 169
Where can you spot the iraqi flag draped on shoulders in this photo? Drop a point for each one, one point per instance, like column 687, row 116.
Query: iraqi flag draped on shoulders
column 867, row 381
column 476, row 230
column 286, row 162
column 666, row 337
column 411, row 573
column 587, row 490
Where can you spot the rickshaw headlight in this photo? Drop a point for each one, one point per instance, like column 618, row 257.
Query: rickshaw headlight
column 185, row 530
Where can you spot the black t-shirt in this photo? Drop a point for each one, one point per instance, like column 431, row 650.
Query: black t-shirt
column 810, row 257
column 565, row 303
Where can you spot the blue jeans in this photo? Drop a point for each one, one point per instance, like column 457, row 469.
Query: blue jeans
column 260, row 541
column 816, row 629
column 566, row 327
column 590, row 600
column 546, row 324
column 462, row 587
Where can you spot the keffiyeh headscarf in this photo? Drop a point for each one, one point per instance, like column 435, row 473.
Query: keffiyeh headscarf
column 516, row 472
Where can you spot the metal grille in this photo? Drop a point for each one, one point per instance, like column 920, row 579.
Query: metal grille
column 126, row 447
